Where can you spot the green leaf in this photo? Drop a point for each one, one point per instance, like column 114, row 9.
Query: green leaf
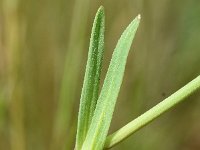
column 153, row 113
column 90, row 88
column 98, row 130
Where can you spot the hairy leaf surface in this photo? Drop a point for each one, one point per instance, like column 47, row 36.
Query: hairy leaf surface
column 105, row 106
column 90, row 88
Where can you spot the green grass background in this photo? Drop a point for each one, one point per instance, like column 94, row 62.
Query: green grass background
column 43, row 52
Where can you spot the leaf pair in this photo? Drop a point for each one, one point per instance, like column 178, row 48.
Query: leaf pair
column 95, row 113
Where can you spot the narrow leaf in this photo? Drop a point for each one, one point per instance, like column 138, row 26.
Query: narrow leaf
column 90, row 88
column 105, row 106
column 153, row 113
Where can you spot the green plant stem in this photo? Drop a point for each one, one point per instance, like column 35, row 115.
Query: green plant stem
column 153, row 113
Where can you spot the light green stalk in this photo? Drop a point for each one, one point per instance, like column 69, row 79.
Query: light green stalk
column 153, row 113
column 90, row 88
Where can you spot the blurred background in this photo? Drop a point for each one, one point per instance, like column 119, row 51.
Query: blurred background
column 43, row 53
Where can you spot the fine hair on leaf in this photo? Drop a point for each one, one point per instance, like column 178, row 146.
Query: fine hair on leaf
column 96, row 112
column 101, row 120
column 90, row 88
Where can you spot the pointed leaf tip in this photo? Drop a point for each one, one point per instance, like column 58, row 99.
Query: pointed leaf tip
column 139, row 16
column 100, row 10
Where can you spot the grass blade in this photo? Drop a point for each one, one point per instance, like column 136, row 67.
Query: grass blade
column 69, row 82
column 105, row 106
column 153, row 113
column 90, row 89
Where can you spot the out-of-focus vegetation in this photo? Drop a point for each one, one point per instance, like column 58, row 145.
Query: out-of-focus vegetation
column 43, row 51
